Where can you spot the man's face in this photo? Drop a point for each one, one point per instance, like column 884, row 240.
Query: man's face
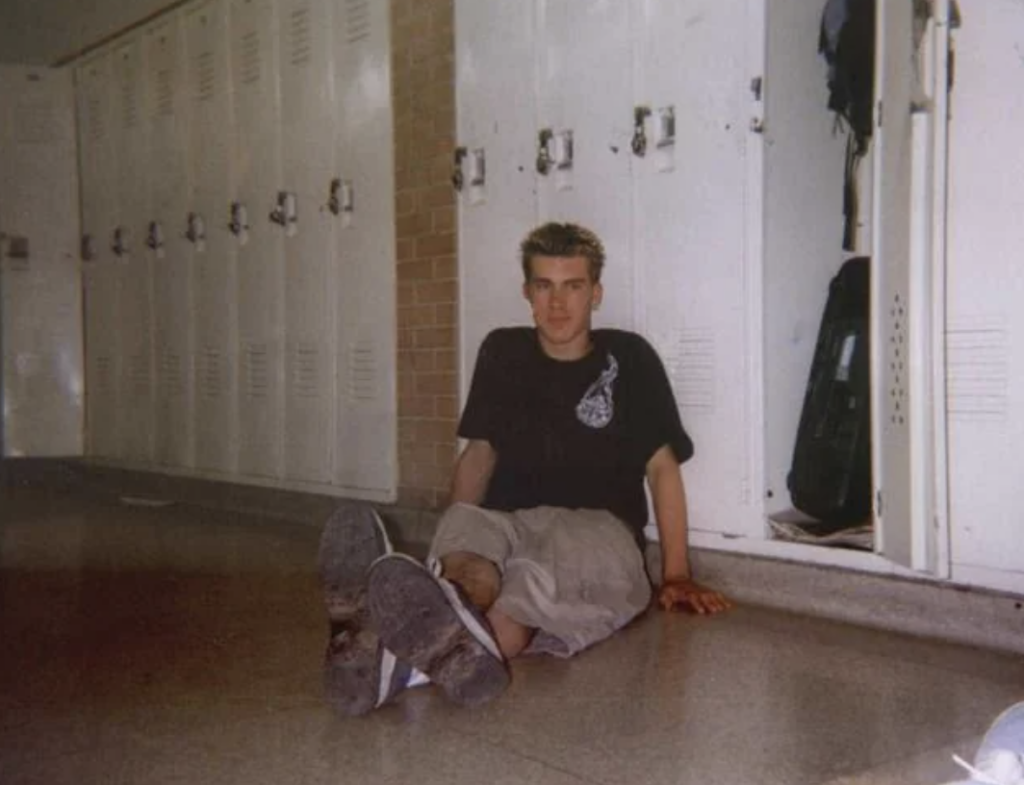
column 562, row 296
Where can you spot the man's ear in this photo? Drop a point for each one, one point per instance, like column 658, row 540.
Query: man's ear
column 598, row 295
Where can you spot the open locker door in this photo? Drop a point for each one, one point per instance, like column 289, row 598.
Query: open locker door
column 902, row 225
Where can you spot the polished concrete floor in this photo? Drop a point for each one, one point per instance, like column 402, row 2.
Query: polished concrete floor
column 181, row 645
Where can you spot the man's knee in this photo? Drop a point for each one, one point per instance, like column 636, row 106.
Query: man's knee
column 479, row 578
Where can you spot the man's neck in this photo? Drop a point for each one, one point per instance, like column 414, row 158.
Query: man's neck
column 576, row 349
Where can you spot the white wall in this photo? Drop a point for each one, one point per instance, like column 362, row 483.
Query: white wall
column 41, row 32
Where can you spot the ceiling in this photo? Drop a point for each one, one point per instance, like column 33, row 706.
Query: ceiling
column 43, row 32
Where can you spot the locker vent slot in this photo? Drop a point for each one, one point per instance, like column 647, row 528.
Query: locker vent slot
column 300, row 38
column 97, row 127
column 105, row 382
column 306, row 370
column 211, row 379
column 138, row 375
column 171, row 378
column 362, row 373
column 357, row 20
column 164, row 93
column 897, row 358
column 977, row 370
column 205, row 76
column 257, row 370
column 129, row 103
column 690, row 363
column 251, row 61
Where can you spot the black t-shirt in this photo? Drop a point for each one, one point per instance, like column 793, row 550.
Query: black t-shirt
column 574, row 434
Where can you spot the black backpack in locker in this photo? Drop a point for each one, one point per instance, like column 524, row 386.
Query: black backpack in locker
column 830, row 477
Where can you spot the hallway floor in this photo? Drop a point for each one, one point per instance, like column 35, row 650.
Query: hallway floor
column 183, row 645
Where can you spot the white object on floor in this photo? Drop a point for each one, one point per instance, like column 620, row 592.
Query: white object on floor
column 1000, row 758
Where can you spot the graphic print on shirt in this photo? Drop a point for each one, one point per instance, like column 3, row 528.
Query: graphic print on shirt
column 597, row 406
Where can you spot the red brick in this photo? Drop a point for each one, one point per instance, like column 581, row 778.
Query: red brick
column 435, row 245
column 445, row 268
column 418, row 270
column 447, row 406
column 416, row 406
column 435, row 383
column 436, row 196
column 446, row 360
column 432, row 292
column 434, row 338
column 444, row 219
column 446, row 314
column 406, row 294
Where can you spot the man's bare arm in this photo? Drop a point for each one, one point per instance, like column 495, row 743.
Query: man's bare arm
column 678, row 589
column 473, row 472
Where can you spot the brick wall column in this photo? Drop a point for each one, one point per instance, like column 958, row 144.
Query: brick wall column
column 423, row 88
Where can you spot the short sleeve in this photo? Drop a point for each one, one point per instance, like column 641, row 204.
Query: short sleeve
column 482, row 413
column 659, row 421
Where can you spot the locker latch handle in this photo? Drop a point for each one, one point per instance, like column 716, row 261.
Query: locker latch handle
column 155, row 236
column 239, row 219
column 639, row 143
column 120, row 244
column 342, row 197
column 196, row 231
column 544, row 137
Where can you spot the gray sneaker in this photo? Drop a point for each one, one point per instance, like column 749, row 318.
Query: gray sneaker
column 427, row 622
column 359, row 673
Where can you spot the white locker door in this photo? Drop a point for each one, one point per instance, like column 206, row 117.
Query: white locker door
column 307, row 157
column 40, row 282
column 366, row 455
column 260, row 256
column 134, row 172
column 585, row 84
column 690, row 175
column 97, row 115
column 495, row 55
column 213, row 246
column 896, row 347
column 170, row 253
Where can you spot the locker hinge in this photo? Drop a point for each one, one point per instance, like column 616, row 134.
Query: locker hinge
column 341, row 198
column 120, row 244
column 458, row 178
column 544, row 137
column 239, row 223
column 639, row 143
column 878, row 504
column 87, row 248
column 878, row 114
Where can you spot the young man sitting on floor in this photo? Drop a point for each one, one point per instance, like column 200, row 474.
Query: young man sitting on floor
column 541, row 548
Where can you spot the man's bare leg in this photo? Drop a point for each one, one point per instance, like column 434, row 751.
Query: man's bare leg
column 481, row 581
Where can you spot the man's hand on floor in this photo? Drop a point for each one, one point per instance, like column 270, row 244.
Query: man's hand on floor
column 688, row 595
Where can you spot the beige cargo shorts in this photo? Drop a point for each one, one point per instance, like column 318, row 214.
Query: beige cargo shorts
column 577, row 576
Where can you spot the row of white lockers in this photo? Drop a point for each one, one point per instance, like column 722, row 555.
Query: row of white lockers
column 695, row 138
column 238, row 220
